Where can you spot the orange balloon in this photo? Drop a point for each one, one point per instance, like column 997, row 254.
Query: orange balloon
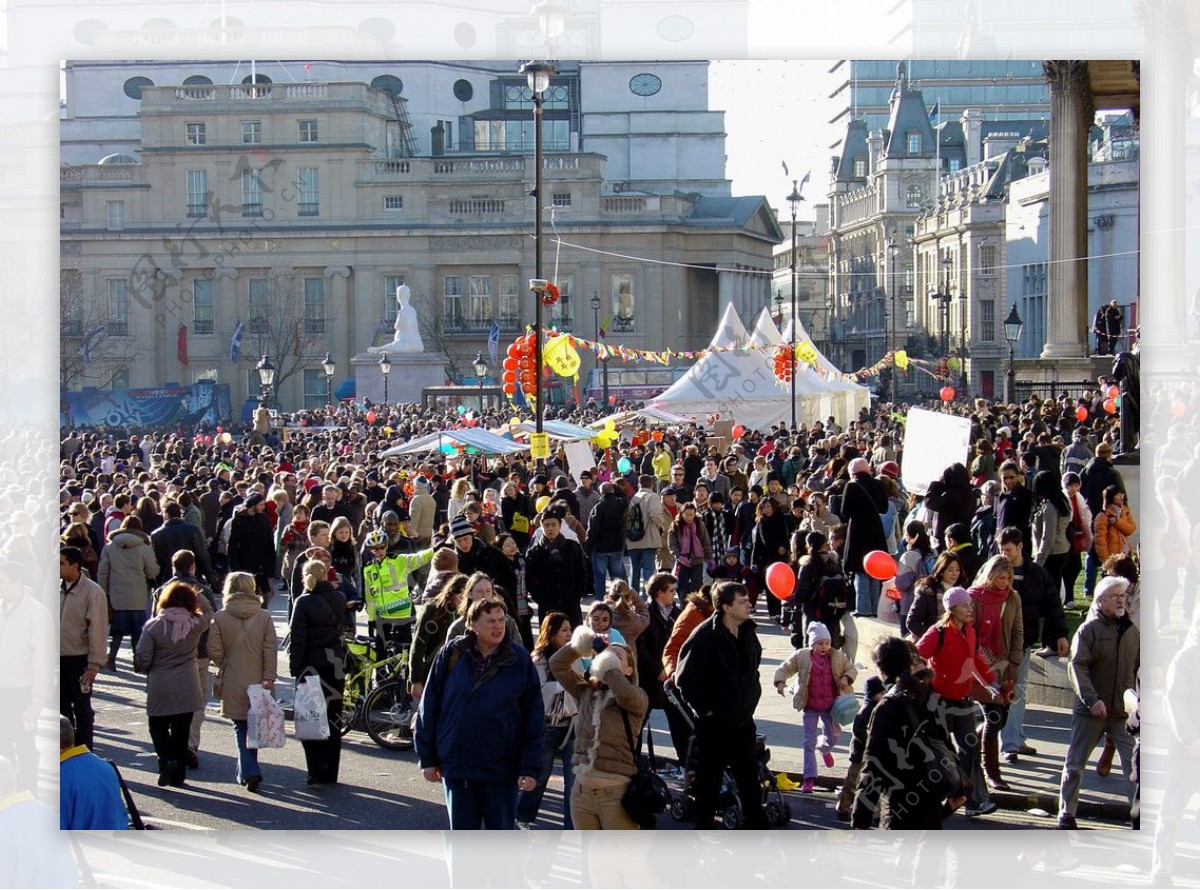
column 1081, row 414
column 1110, row 406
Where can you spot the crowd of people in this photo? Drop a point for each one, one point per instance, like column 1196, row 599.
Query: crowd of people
column 549, row 610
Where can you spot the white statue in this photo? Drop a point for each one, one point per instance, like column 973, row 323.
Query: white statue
column 407, row 331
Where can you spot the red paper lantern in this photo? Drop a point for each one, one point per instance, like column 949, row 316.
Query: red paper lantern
column 879, row 565
column 1179, row 408
column 781, row 580
column 1113, row 391
column 510, row 364
column 1081, row 414
column 947, row 395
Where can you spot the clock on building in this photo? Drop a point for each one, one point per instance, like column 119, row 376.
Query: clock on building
column 645, row 84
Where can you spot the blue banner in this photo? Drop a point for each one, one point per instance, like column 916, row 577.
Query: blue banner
column 172, row 406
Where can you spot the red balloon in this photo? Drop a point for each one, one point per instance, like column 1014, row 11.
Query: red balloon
column 1179, row 408
column 947, row 395
column 656, row 435
column 1113, row 391
column 1110, row 406
column 879, row 565
column 612, row 400
column 781, row 580
column 1081, row 414
column 220, row 429
column 371, row 417
column 738, row 431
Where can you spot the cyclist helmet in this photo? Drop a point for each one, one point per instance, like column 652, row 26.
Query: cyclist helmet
column 376, row 539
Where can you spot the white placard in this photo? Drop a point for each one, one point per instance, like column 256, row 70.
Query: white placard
column 932, row 442
column 579, row 458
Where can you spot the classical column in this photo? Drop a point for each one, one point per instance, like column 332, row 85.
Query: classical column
column 1071, row 113
column 340, row 315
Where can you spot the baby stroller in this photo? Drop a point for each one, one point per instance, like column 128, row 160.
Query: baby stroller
column 729, row 804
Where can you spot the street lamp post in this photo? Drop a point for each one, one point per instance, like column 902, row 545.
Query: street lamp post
column 481, row 367
column 266, row 378
column 962, row 340
column 794, row 200
column 603, row 361
column 385, row 368
column 893, row 253
column 330, row 368
column 538, row 76
column 1012, row 333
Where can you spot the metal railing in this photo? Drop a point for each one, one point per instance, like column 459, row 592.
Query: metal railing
column 458, row 325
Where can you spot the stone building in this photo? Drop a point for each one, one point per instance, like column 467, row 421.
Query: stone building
column 296, row 198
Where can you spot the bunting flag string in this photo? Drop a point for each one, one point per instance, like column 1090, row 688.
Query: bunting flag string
column 806, row 357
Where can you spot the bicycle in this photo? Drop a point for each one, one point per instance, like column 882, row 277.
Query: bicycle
column 376, row 694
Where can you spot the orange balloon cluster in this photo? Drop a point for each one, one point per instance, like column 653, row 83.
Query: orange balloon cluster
column 785, row 363
column 519, row 366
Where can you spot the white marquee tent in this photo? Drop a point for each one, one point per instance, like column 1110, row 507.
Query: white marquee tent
column 740, row 385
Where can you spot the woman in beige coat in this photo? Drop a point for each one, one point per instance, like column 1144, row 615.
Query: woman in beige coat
column 242, row 645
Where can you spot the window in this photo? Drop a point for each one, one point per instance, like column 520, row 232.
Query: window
column 114, row 215
column 314, row 305
column 251, row 132
column 562, row 199
column 510, row 305
column 912, row 197
column 390, row 283
column 479, row 298
column 955, row 165
column 987, row 320
column 252, row 193
column 562, row 311
column 202, row 305
column 987, row 258
column 518, row 135
column 452, row 296
column 913, row 143
column 197, row 194
column 623, row 301
column 196, row 134
column 118, row 307
column 306, row 185
column 316, row 388
column 393, row 203
column 308, row 131
column 520, row 97
column 860, row 168
column 259, row 308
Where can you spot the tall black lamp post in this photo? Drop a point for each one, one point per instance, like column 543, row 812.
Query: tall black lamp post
column 893, row 253
column 538, row 76
column 603, row 361
column 481, row 367
column 266, row 378
column 329, row 368
column 1012, row 333
column 794, row 200
column 385, row 368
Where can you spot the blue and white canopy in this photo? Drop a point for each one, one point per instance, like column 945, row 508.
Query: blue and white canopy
column 481, row 441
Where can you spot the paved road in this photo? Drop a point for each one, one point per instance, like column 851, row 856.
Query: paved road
column 383, row 789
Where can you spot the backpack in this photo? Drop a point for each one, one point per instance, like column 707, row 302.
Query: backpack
column 635, row 522
column 831, row 599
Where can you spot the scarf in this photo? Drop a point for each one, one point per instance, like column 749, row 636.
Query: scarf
column 180, row 620
column 689, row 543
column 989, row 602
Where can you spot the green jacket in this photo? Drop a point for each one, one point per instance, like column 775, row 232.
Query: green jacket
column 385, row 584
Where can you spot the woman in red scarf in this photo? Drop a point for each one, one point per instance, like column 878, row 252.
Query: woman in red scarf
column 691, row 548
column 1000, row 637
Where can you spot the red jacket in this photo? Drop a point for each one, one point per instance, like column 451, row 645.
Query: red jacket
column 949, row 651
column 689, row 619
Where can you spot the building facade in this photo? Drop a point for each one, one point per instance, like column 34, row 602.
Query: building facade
column 296, row 198
column 813, row 308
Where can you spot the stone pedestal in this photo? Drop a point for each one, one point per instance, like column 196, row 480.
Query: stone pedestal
column 411, row 373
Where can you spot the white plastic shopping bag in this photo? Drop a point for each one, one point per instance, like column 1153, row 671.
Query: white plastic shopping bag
column 311, row 716
column 264, row 721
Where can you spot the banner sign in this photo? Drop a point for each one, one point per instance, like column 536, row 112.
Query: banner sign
column 184, row 406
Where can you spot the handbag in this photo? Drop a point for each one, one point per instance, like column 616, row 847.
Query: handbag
column 264, row 720
column 309, row 710
column 647, row 796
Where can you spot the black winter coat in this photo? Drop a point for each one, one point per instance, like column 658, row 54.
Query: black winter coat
column 606, row 525
column 718, row 672
column 952, row 499
column 863, row 502
column 1041, row 608
column 650, row 645
column 251, row 544
column 317, row 625
column 175, row 535
column 1015, row 509
column 555, row 572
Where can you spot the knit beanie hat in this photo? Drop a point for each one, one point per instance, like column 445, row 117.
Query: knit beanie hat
column 817, row 632
column 955, row 596
column 858, row 465
column 461, row 527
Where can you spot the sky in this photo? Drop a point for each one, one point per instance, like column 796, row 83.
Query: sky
column 776, row 112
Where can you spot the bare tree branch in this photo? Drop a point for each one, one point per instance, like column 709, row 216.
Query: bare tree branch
column 110, row 350
column 278, row 327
